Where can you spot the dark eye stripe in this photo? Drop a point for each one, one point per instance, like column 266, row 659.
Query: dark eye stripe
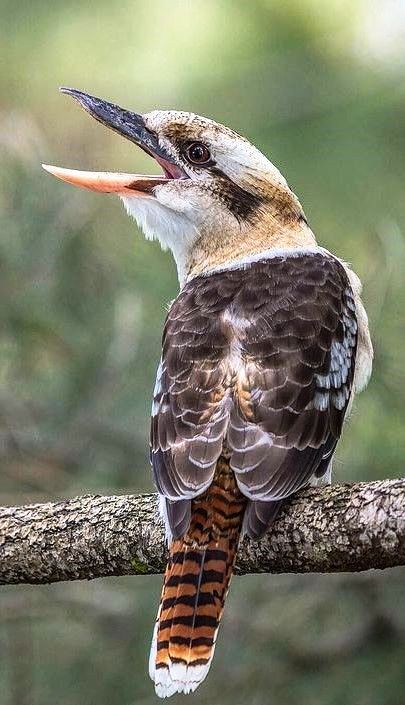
column 241, row 203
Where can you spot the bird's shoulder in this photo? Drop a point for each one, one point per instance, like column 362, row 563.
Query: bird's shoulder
column 244, row 292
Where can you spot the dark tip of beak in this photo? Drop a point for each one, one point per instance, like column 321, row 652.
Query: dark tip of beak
column 98, row 108
column 88, row 102
column 71, row 91
column 126, row 123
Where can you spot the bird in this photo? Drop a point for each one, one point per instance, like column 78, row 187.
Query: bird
column 263, row 350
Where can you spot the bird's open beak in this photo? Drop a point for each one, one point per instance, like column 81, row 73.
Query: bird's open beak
column 132, row 126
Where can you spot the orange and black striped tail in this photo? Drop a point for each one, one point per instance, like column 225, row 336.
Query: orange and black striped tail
column 195, row 587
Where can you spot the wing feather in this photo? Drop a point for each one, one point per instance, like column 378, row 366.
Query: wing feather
column 300, row 357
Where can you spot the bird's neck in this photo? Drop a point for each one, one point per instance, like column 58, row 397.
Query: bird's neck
column 217, row 250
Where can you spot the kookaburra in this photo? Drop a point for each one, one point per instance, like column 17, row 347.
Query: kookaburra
column 264, row 348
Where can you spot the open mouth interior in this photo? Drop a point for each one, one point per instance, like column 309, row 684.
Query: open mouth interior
column 170, row 170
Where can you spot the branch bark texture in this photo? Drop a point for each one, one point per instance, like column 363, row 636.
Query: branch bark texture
column 338, row 528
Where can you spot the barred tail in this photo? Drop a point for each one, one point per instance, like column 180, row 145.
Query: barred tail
column 195, row 587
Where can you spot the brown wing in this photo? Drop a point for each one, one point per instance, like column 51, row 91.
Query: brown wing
column 299, row 356
column 192, row 400
column 262, row 358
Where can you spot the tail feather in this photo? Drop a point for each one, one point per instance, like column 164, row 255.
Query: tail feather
column 196, row 583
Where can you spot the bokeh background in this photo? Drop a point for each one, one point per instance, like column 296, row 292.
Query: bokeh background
column 320, row 88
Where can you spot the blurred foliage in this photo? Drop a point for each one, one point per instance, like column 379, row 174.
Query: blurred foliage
column 320, row 88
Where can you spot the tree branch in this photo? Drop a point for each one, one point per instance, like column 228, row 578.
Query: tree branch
column 339, row 528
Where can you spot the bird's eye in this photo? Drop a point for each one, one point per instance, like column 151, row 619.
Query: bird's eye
column 198, row 153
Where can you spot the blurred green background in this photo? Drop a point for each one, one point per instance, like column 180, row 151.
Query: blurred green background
column 320, row 88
